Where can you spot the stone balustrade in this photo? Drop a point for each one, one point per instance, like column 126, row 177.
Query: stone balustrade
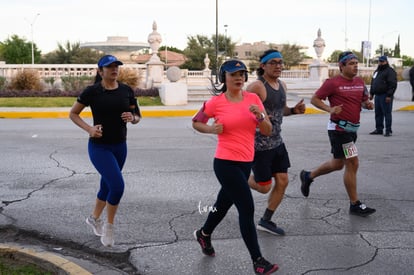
column 55, row 70
column 190, row 77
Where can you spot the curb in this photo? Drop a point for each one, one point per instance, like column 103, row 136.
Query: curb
column 145, row 113
column 407, row 108
column 88, row 114
column 43, row 259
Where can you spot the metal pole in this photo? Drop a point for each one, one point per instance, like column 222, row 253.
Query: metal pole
column 31, row 31
column 225, row 41
column 346, row 25
column 217, row 68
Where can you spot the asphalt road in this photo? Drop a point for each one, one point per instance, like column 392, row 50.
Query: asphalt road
column 48, row 187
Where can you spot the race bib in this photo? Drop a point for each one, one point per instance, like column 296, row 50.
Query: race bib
column 350, row 150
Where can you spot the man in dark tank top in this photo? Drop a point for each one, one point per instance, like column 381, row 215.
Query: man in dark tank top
column 271, row 157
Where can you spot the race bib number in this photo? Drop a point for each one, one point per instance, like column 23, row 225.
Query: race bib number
column 350, row 150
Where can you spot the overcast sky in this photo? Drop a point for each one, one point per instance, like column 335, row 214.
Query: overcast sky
column 344, row 23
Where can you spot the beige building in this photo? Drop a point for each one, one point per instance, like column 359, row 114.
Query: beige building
column 120, row 46
column 173, row 58
column 249, row 53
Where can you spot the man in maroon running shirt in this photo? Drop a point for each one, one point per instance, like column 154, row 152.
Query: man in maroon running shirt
column 346, row 94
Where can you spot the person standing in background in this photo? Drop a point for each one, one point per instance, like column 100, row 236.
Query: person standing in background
column 383, row 86
column 113, row 105
column 411, row 74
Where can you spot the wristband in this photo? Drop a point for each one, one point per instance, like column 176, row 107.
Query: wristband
column 292, row 111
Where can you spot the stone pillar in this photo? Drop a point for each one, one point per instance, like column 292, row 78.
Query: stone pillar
column 403, row 91
column 207, row 71
column 318, row 70
column 155, row 67
column 173, row 93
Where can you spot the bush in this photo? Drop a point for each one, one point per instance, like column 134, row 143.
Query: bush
column 151, row 92
column 3, row 83
column 130, row 77
column 28, row 84
column 76, row 83
column 27, row 79
column 48, row 93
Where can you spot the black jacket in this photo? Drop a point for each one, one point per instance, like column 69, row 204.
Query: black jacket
column 384, row 80
column 411, row 72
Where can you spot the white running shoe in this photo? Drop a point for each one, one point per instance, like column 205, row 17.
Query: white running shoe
column 107, row 239
column 96, row 225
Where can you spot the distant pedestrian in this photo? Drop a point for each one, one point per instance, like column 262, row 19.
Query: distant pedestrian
column 383, row 86
column 411, row 73
column 271, row 159
column 237, row 114
column 113, row 105
column 346, row 94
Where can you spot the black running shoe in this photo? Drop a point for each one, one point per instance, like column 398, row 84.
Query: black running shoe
column 360, row 209
column 270, row 227
column 306, row 182
column 205, row 243
column 261, row 266
column 376, row 132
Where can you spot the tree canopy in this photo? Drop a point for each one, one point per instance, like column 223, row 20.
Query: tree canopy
column 333, row 58
column 200, row 45
column 71, row 54
column 291, row 55
column 16, row 50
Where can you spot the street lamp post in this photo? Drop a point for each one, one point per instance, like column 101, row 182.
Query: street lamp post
column 369, row 33
column 31, row 32
column 225, row 41
column 346, row 25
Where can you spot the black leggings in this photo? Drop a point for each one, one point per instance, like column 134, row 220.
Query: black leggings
column 233, row 176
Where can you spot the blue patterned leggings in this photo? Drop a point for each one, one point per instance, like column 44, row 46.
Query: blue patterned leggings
column 109, row 160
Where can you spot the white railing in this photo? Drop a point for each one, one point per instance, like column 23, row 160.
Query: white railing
column 58, row 70
column 295, row 74
column 55, row 70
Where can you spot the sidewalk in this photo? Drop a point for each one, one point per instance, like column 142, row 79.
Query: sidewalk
column 158, row 111
column 147, row 111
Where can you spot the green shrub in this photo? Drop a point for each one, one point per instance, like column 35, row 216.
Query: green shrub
column 49, row 80
column 150, row 92
column 130, row 77
column 27, row 79
column 76, row 83
column 3, row 83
